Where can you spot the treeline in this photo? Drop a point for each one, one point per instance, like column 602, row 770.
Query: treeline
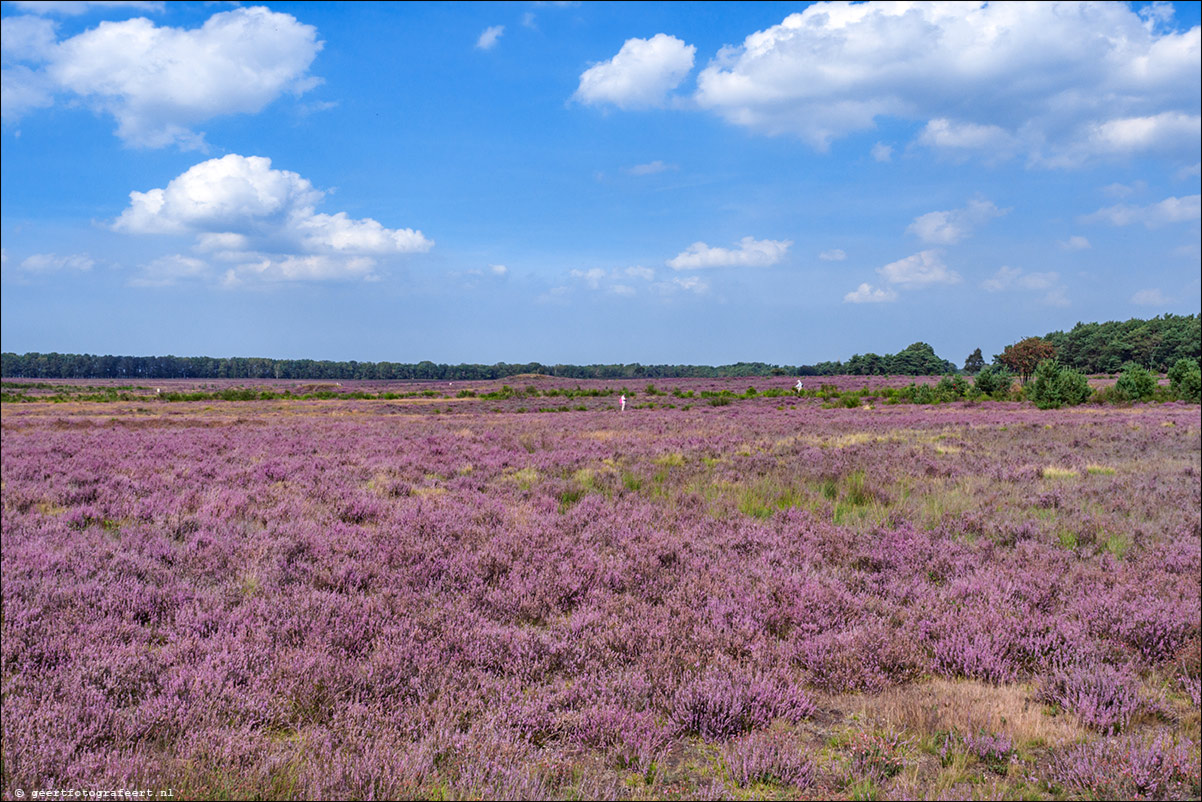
column 89, row 366
column 1155, row 344
column 918, row 359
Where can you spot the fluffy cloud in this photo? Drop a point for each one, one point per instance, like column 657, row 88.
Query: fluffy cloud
column 750, row 253
column 1150, row 297
column 949, row 227
column 1061, row 82
column 488, row 39
column 833, row 255
column 1169, row 210
column 159, row 82
column 867, row 294
column 263, row 222
column 640, row 76
column 921, row 269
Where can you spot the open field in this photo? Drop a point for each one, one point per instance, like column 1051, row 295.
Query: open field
column 455, row 596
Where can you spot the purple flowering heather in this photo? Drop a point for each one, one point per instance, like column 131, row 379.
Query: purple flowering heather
column 364, row 597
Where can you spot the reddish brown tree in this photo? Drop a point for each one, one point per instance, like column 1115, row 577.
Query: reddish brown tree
column 1023, row 357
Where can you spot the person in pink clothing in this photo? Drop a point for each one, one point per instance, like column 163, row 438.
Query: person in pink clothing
column 622, row 403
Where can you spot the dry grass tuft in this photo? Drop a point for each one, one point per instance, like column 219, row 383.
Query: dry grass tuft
column 943, row 705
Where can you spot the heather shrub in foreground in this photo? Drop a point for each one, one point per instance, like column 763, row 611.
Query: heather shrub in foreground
column 1129, row 767
column 720, row 704
column 1103, row 697
column 769, row 756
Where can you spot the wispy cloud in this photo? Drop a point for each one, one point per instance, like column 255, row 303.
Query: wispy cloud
column 867, row 294
column 488, row 39
column 651, row 168
column 952, row 226
column 919, row 270
column 750, row 253
column 1150, row 297
column 1169, row 210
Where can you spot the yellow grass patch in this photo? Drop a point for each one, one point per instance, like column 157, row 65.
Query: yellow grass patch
column 1053, row 472
column 50, row 508
column 525, row 478
column 944, row 705
column 1104, row 470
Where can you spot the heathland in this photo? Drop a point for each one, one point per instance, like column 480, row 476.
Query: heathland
column 476, row 590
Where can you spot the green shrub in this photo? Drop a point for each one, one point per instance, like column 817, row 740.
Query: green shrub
column 1055, row 385
column 1185, row 378
column 1136, row 383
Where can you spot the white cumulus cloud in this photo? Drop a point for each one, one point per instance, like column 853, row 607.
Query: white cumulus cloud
column 1062, row 83
column 867, row 294
column 949, row 227
column 263, row 221
column 160, row 82
column 919, row 270
column 640, row 76
column 1076, row 243
column 750, row 253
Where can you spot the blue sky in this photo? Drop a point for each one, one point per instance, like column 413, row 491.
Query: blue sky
column 592, row 182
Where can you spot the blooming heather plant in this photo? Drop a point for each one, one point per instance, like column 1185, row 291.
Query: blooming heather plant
column 719, row 705
column 1130, row 767
column 769, row 756
column 1103, row 697
column 357, row 597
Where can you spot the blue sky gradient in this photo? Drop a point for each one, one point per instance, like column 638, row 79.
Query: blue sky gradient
column 593, row 182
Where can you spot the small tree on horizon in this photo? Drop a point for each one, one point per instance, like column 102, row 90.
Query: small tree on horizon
column 1025, row 355
column 974, row 363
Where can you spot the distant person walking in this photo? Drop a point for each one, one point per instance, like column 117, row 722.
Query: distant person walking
column 622, row 403
column 797, row 388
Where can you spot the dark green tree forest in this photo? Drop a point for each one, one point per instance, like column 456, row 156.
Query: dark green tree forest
column 1156, row 344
